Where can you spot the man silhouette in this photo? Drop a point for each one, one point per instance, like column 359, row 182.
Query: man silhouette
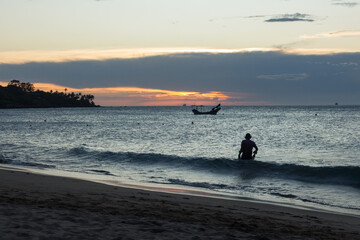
column 247, row 146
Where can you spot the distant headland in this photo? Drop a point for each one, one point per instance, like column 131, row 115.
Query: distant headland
column 23, row 95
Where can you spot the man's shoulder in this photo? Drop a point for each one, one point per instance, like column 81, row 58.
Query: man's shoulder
column 248, row 141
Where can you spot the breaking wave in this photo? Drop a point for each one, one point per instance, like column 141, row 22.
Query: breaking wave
column 4, row 160
column 340, row 175
column 333, row 175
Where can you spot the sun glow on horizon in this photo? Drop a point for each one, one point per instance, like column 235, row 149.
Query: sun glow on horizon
column 135, row 96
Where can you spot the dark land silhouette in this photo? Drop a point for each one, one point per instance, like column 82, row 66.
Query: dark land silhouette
column 23, row 95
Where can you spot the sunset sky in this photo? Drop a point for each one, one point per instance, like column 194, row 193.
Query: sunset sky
column 170, row 52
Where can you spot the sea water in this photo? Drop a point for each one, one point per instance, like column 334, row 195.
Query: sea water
column 308, row 155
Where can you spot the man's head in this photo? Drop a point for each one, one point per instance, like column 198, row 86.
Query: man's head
column 248, row 136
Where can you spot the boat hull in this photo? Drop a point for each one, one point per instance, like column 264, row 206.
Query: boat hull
column 212, row 112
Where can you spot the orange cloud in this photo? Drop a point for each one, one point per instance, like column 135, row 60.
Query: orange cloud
column 148, row 97
column 135, row 96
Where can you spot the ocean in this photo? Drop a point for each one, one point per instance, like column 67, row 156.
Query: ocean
column 309, row 156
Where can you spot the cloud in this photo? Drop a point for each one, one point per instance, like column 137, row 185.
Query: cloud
column 296, row 17
column 21, row 57
column 112, row 96
column 344, row 33
column 238, row 77
column 257, row 16
column 134, row 96
column 345, row 4
column 313, row 51
column 284, row 76
column 304, row 40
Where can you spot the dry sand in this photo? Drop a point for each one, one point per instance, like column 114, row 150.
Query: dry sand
column 35, row 206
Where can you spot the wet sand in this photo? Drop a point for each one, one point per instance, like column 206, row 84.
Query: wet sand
column 35, row 206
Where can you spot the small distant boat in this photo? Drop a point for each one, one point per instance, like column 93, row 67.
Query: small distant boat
column 213, row 111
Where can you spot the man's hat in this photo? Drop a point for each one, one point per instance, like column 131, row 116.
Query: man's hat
column 248, row 136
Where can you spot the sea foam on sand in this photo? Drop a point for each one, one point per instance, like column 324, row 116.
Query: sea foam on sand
column 37, row 206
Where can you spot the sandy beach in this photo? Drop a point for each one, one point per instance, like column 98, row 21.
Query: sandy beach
column 36, row 206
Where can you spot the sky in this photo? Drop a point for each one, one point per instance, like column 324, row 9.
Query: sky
column 174, row 52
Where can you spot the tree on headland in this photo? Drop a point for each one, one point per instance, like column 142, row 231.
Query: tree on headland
column 23, row 95
column 26, row 87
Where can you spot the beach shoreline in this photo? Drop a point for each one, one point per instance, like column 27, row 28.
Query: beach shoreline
column 173, row 189
column 42, row 206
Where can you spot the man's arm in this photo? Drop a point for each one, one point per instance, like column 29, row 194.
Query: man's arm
column 256, row 148
column 241, row 150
